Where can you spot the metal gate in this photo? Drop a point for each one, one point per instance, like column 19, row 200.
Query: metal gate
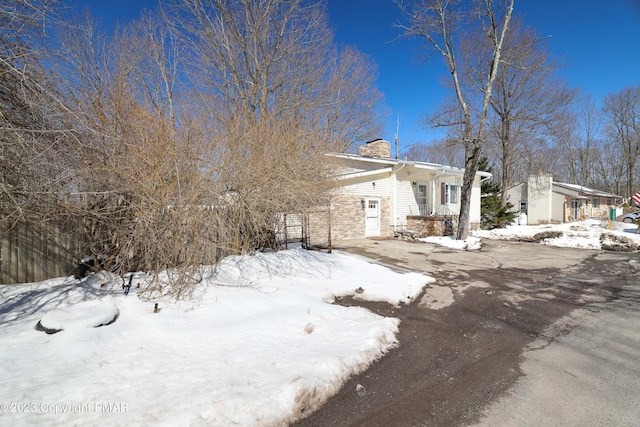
column 316, row 229
column 311, row 229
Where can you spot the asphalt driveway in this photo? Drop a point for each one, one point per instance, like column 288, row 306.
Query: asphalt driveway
column 516, row 334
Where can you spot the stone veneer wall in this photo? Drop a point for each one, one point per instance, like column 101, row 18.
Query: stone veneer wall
column 348, row 217
column 433, row 226
column 426, row 225
column 385, row 215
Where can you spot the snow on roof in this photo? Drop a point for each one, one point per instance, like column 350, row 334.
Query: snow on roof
column 585, row 190
column 416, row 164
column 571, row 189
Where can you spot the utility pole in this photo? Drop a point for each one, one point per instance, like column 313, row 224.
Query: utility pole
column 395, row 137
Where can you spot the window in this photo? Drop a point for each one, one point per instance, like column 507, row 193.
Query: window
column 596, row 202
column 609, row 202
column 523, row 206
column 451, row 192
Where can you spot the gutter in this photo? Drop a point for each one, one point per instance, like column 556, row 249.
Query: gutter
column 365, row 173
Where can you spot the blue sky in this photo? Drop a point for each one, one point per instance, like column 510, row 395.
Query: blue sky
column 598, row 40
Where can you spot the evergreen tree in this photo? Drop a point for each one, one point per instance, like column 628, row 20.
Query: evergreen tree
column 493, row 214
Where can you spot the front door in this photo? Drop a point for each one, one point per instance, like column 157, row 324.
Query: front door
column 373, row 218
column 421, row 198
column 575, row 206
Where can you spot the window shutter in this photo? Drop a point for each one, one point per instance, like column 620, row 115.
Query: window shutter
column 442, row 190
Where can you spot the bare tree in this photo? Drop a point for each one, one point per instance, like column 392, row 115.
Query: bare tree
column 442, row 23
column 622, row 111
column 176, row 166
column 528, row 100
column 276, row 96
column 277, row 59
column 446, row 152
column 32, row 131
column 611, row 176
column 579, row 140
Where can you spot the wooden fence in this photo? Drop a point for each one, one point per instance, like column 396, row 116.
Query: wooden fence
column 33, row 255
column 29, row 254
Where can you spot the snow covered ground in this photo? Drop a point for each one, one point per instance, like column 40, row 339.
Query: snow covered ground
column 589, row 234
column 259, row 342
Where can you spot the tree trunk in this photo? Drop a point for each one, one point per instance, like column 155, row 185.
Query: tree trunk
column 506, row 158
column 472, row 160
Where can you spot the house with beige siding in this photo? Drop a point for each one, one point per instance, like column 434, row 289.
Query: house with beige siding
column 544, row 201
column 377, row 196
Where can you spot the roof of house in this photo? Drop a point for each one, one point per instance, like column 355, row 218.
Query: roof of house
column 390, row 163
column 581, row 190
column 574, row 190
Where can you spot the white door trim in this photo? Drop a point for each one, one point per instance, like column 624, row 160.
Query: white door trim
column 372, row 217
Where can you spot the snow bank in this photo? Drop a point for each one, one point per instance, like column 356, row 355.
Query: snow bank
column 243, row 353
column 583, row 234
column 471, row 243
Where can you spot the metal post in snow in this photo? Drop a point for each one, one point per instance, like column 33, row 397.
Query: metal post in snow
column 329, row 213
column 286, row 239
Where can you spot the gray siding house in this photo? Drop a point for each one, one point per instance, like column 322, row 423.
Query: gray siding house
column 546, row 201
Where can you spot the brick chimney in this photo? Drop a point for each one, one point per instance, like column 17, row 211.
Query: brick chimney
column 376, row 148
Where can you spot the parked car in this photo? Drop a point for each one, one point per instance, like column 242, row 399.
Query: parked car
column 629, row 217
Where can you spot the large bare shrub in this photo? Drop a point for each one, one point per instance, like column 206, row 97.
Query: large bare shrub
column 197, row 126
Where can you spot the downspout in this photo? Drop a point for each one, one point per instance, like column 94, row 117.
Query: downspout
column 433, row 191
column 395, row 195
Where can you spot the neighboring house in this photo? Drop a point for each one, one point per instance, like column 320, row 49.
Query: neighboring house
column 546, row 201
column 381, row 196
